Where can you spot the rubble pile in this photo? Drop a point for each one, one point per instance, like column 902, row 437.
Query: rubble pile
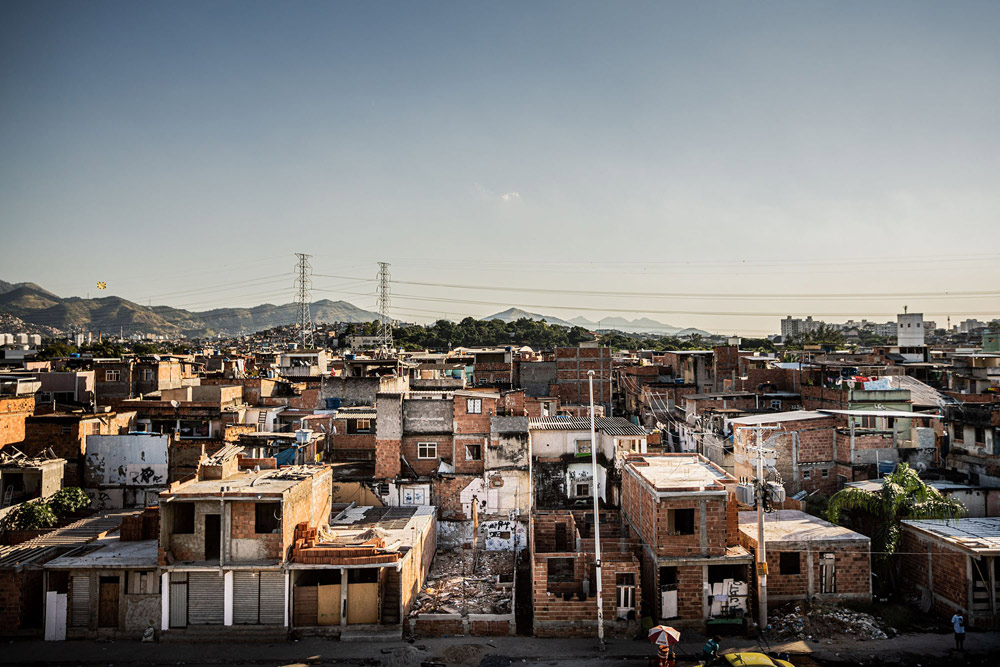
column 827, row 622
column 468, row 582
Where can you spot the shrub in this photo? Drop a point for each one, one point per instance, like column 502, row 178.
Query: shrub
column 31, row 516
column 68, row 500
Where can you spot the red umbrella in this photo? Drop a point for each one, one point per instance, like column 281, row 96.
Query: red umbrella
column 664, row 634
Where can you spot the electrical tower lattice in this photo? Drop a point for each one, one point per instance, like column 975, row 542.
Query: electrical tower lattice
column 303, row 282
column 384, row 323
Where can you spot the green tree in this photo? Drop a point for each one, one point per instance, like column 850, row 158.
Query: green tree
column 55, row 349
column 67, row 500
column 31, row 515
column 877, row 514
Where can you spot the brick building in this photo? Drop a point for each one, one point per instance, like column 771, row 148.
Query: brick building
column 117, row 379
column 809, row 558
column 14, row 411
column 682, row 510
column 572, row 381
column 563, row 574
column 65, row 433
column 225, row 537
column 955, row 565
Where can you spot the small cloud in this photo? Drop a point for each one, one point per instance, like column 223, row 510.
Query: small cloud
column 510, row 196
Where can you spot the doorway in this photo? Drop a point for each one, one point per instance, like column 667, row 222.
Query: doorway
column 213, row 524
column 107, row 607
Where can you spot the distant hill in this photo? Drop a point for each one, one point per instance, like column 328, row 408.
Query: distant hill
column 514, row 314
column 37, row 306
column 640, row 325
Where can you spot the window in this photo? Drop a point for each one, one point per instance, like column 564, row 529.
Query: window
column 825, row 473
column 959, row 433
column 806, row 474
column 560, row 570
column 869, row 422
column 827, row 573
column 473, row 452
column 980, row 435
column 427, row 450
column 583, row 447
column 681, row 522
column 625, row 587
column 267, row 517
column 112, row 376
column 66, row 430
column 474, row 406
column 789, row 562
column 414, row 496
column 359, row 426
column 583, row 489
column 775, row 404
column 147, row 374
column 183, row 518
column 95, row 428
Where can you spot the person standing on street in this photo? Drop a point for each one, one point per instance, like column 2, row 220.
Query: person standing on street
column 959, row 622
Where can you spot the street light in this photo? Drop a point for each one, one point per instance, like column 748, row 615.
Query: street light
column 597, row 515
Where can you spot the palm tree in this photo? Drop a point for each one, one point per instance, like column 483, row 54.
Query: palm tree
column 878, row 514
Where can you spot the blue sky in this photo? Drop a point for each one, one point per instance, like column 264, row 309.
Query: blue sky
column 177, row 149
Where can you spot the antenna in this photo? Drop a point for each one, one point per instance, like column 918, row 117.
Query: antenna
column 384, row 324
column 302, row 284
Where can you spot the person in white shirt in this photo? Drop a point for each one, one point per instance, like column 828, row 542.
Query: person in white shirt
column 958, row 621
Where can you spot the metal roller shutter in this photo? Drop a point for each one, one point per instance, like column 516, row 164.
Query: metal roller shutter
column 272, row 598
column 80, row 602
column 206, row 598
column 178, row 599
column 246, row 594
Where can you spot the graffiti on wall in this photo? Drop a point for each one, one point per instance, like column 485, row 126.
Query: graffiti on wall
column 504, row 535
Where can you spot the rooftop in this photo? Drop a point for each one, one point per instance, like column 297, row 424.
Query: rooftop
column 795, row 526
column 613, row 426
column 109, row 551
column 977, row 536
column 778, row 417
column 679, row 472
column 269, row 482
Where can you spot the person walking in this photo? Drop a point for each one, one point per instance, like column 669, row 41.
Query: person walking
column 958, row 621
column 711, row 649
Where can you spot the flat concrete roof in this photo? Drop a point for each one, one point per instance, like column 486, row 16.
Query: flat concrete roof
column 393, row 523
column 977, row 536
column 679, row 473
column 264, row 482
column 778, row 417
column 111, row 552
column 795, row 526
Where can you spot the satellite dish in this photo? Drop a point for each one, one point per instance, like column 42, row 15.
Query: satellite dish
column 174, row 404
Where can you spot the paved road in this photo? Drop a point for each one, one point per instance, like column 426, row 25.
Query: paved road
column 929, row 650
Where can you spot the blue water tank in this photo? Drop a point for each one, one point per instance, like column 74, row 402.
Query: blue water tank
column 333, row 403
column 349, row 357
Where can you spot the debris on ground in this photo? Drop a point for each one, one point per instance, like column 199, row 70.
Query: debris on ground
column 826, row 621
column 465, row 581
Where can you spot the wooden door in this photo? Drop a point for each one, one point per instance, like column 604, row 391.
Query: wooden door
column 107, row 606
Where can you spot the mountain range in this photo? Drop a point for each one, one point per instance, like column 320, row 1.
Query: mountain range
column 641, row 325
column 38, row 306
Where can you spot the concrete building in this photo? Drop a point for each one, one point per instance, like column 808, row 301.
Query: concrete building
column 808, row 558
column 225, row 539
column 128, row 470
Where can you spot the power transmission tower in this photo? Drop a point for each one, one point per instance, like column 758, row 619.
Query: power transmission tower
column 384, row 324
column 303, row 282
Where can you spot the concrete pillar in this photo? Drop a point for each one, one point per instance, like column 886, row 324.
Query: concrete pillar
column 343, row 596
column 288, row 600
column 227, row 592
column 165, row 601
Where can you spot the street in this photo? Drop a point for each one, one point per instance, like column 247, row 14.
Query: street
column 927, row 650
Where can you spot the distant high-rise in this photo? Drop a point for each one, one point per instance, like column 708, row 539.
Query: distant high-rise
column 910, row 329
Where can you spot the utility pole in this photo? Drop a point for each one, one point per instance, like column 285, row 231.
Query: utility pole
column 303, row 281
column 597, row 516
column 760, row 488
column 384, row 324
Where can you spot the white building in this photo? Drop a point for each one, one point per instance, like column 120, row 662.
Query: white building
column 910, row 329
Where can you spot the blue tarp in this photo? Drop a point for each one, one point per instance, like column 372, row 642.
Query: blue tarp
column 286, row 457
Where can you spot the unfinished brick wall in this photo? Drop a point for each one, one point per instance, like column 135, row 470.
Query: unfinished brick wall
column 344, row 446
column 446, row 495
column 409, row 449
column 931, row 564
column 387, row 463
column 243, row 526
column 13, row 413
column 572, row 381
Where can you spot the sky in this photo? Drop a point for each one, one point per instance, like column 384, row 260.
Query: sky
column 710, row 164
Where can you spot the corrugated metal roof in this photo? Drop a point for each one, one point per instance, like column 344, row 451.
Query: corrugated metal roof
column 613, row 426
column 60, row 540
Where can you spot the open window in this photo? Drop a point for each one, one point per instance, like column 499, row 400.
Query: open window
column 267, row 518
column 681, row 521
column 183, row 523
column 789, row 562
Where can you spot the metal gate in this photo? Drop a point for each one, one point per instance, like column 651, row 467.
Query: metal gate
column 80, row 602
column 178, row 599
column 272, row 598
column 206, row 598
column 246, row 597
